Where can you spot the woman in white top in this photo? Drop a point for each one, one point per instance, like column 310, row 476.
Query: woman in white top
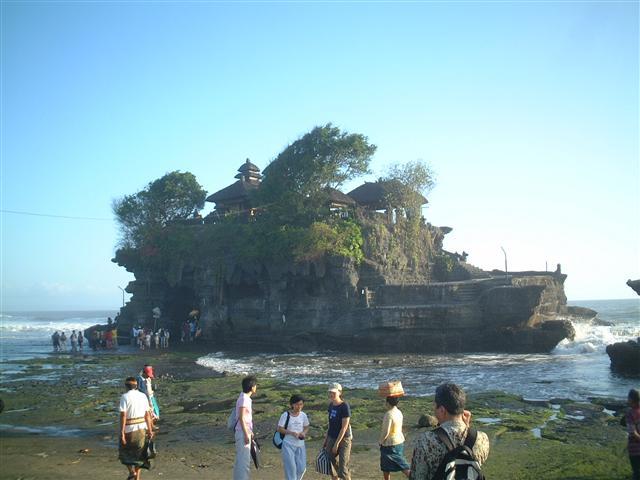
column 392, row 441
column 294, row 425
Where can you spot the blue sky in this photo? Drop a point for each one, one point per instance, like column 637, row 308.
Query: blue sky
column 527, row 111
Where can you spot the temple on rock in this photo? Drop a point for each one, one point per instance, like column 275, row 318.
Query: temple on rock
column 378, row 196
column 235, row 199
column 390, row 286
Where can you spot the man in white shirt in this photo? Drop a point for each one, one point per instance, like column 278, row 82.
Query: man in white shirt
column 135, row 427
column 244, row 429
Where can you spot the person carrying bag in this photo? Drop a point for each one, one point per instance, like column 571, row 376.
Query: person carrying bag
column 292, row 430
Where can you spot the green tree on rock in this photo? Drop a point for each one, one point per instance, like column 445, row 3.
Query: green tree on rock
column 405, row 185
column 295, row 182
column 174, row 196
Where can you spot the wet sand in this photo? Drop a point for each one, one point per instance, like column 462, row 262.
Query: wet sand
column 60, row 421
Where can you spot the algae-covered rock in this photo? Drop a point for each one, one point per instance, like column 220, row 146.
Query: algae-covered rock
column 427, row 421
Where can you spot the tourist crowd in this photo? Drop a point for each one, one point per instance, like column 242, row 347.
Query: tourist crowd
column 454, row 449
column 454, row 444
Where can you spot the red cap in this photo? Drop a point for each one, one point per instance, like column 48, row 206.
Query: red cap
column 148, row 371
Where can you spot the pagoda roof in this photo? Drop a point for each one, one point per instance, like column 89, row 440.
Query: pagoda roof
column 236, row 191
column 247, row 166
column 374, row 194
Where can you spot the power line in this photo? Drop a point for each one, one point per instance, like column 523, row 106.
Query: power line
column 55, row 216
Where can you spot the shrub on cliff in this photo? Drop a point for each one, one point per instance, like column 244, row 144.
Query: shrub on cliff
column 342, row 239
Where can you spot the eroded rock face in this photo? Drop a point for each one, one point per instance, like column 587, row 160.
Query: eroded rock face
column 625, row 356
column 334, row 304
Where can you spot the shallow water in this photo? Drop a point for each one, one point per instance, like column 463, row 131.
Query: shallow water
column 576, row 369
column 48, row 431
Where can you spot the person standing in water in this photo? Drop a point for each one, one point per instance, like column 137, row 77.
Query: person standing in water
column 55, row 340
column 80, row 340
column 74, row 341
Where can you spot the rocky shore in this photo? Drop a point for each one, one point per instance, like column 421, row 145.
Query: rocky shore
column 60, row 421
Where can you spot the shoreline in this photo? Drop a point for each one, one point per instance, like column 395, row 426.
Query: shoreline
column 529, row 438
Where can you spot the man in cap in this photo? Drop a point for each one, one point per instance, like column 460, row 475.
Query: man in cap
column 430, row 450
column 145, row 386
column 135, row 427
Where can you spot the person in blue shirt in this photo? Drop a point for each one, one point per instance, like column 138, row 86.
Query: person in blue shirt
column 337, row 442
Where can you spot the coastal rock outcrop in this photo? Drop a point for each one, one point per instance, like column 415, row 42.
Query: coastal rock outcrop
column 635, row 285
column 332, row 303
column 625, row 356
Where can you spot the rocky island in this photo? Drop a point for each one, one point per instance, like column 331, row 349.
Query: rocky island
column 287, row 262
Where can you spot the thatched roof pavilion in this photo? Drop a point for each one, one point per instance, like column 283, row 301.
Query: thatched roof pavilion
column 337, row 199
column 378, row 195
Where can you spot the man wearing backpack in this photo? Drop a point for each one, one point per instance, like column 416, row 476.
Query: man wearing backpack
column 450, row 451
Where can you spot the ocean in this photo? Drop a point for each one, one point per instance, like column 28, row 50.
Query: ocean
column 576, row 369
column 25, row 335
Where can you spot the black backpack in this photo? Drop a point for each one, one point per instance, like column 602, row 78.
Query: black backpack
column 459, row 463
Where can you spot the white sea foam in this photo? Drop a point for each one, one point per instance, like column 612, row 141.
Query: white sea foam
column 10, row 325
column 217, row 361
column 47, row 327
column 591, row 338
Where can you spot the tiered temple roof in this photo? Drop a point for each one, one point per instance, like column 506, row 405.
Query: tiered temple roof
column 235, row 197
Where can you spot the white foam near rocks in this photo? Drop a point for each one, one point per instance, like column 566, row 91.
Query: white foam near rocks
column 575, row 417
column 488, row 420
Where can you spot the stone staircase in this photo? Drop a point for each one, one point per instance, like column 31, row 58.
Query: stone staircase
column 474, row 271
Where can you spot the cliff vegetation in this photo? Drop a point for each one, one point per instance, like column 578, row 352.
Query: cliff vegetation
column 291, row 218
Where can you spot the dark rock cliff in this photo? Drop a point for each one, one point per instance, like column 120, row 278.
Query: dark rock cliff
column 334, row 304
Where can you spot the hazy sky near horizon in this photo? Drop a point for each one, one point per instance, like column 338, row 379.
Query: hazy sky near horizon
column 527, row 112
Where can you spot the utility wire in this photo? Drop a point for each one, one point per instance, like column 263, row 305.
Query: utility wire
column 55, row 216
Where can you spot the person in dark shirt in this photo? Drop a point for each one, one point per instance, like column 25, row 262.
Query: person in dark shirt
column 337, row 442
column 55, row 338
